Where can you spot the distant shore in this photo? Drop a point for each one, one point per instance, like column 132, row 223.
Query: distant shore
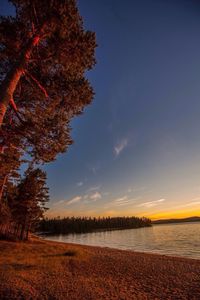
column 42, row 269
column 174, row 221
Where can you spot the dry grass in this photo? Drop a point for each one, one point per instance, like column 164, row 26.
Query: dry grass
column 48, row 270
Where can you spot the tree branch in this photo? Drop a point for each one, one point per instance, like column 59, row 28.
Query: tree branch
column 38, row 84
column 14, row 107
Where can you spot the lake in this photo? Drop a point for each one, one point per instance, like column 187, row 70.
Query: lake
column 169, row 239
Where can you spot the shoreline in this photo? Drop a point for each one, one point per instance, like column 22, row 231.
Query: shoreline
column 43, row 269
column 120, row 249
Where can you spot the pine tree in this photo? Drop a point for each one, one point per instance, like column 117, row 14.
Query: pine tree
column 28, row 206
column 8, row 225
column 44, row 53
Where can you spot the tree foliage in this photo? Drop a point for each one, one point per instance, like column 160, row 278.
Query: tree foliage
column 48, row 83
column 28, row 205
column 24, row 203
column 44, row 54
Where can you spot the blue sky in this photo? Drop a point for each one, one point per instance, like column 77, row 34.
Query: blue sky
column 137, row 147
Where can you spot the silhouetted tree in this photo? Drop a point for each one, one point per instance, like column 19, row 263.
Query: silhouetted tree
column 28, row 206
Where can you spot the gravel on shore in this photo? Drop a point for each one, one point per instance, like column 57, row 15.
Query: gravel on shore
column 50, row 270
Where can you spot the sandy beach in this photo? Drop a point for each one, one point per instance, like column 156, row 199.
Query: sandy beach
column 49, row 270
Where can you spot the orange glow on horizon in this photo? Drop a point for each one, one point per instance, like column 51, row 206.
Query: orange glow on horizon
column 175, row 215
column 153, row 216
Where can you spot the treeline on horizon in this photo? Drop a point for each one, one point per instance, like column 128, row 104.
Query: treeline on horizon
column 88, row 224
column 182, row 220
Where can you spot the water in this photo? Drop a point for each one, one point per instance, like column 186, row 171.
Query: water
column 169, row 239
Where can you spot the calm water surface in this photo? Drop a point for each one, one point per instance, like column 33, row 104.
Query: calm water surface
column 169, row 239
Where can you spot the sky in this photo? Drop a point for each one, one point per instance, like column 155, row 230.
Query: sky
column 136, row 148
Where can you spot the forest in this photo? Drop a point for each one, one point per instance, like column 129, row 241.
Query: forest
column 44, row 54
column 83, row 224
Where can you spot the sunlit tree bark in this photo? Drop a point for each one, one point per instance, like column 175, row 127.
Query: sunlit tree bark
column 11, row 80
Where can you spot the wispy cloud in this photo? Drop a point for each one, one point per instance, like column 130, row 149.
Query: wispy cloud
column 123, row 203
column 96, row 196
column 119, row 147
column 192, row 203
column 95, row 168
column 79, row 183
column 122, row 199
column 74, row 200
column 151, row 203
column 196, row 199
column 58, row 202
column 94, row 188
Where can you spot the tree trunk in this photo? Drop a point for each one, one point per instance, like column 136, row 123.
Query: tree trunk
column 2, row 186
column 10, row 82
column 27, row 233
column 22, row 232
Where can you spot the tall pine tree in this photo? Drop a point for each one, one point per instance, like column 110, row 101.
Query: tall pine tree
column 45, row 48
column 44, row 53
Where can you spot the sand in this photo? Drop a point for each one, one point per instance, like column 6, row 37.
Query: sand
column 49, row 270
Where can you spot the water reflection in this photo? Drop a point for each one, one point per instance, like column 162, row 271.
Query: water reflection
column 169, row 239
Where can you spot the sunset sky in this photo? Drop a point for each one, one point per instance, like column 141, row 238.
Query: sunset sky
column 137, row 147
